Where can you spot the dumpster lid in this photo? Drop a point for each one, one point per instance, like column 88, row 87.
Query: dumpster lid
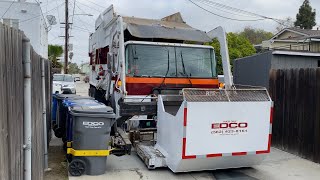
column 94, row 109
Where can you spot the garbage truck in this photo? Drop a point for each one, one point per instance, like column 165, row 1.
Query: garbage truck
column 160, row 78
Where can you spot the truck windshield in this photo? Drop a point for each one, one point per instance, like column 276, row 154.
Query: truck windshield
column 169, row 61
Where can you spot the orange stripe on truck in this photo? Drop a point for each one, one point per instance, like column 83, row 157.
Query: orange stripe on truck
column 170, row 80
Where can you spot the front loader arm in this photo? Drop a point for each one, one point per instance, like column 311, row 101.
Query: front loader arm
column 220, row 34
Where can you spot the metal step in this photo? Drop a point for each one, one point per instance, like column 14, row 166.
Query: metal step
column 151, row 156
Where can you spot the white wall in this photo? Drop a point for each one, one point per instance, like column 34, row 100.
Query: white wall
column 30, row 21
column 85, row 68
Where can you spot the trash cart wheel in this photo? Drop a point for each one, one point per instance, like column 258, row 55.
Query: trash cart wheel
column 69, row 157
column 77, row 167
column 64, row 139
column 55, row 127
column 64, row 147
column 59, row 132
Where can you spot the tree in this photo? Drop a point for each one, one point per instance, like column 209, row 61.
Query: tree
column 55, row 51
column 306, row 18
column 286, row 23
column 256, row 36
column 73, row 68
column 238, row 45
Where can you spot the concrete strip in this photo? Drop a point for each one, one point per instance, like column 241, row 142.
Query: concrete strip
column 278, row 165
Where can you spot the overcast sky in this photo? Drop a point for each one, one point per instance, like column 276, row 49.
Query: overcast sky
column 157, row 9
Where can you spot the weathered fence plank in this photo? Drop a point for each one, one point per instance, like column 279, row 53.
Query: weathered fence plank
column 15, row 103
column 48, row 73
column 11, row 114
column 296, row 125
column 37, row 120
column 11, row 107
column 317, row 122
column 4, row 150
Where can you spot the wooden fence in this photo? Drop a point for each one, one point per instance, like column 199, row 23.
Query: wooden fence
column 11, row 107
column 296, row 125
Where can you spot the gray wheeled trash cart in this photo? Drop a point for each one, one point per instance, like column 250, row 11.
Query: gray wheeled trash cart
column 91, row 139
column 59, row 125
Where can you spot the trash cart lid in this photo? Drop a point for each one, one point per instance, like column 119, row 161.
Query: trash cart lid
column 96, row 110
column 71, row 96
column 80, row 102
column 63, row 96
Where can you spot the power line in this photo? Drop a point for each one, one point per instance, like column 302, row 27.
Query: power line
column 226, row 11
column 58, row 15
column 66, row 42
column 236, row 9
column 54, row 38
column 243, row 11
column 7, row 10
column 221, row 15
column 98, row 5
column 74, row 7
column 41, row 14
column 83, row 23
column 47, row 3
column 89, row 6
column 85, row 29
column 81, row 28
column 37, row 1
column 84, row 12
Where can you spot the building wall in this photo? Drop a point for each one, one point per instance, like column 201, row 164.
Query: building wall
column 295, row 46
column 290, row 46
column 30, row 20
column 253, row 70
column 291, row 62
column 288, row 34
column 85, row 68
column 315, row 46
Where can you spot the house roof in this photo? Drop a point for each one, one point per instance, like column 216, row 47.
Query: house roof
column 295, row 53
column 170, row 27
column 297, row 38
column 307, row 32
column 301, row 33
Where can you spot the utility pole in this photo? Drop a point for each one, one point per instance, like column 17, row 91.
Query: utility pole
column 66, row 38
